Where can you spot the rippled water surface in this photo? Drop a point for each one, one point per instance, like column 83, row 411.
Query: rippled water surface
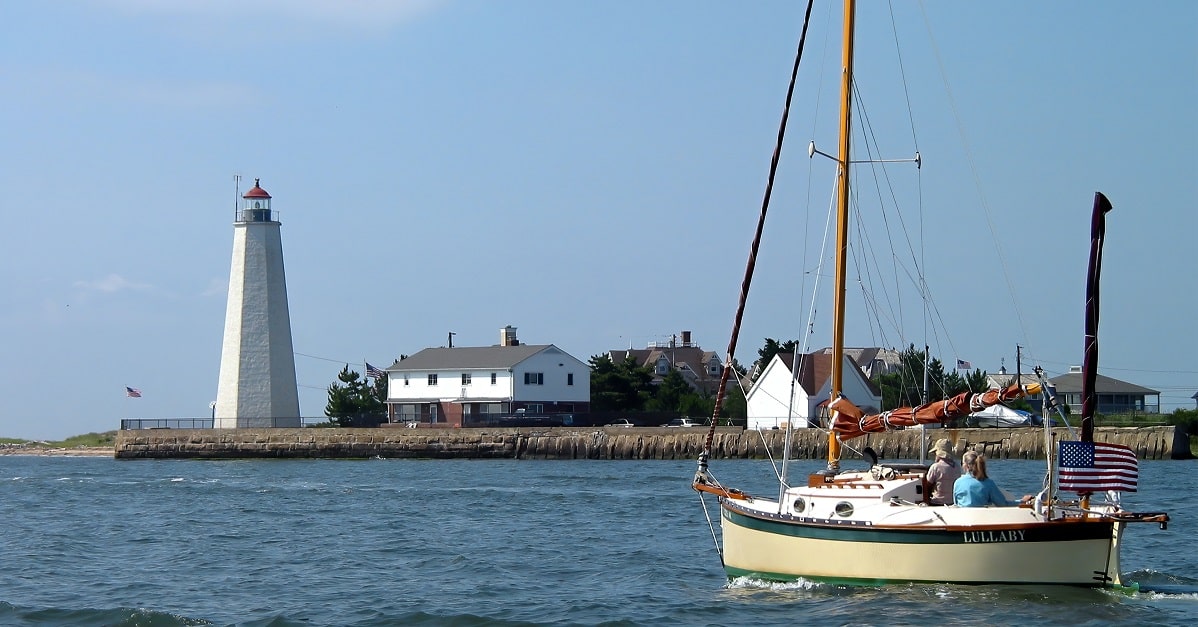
column 90, row 541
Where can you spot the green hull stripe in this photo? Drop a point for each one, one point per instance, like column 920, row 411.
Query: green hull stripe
column 1053, row 532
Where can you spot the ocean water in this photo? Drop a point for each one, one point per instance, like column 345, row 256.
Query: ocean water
column 94, row 541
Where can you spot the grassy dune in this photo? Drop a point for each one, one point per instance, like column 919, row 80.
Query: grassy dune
column 106, row 438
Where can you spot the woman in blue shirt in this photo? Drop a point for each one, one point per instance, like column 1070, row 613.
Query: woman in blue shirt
column 976, row 489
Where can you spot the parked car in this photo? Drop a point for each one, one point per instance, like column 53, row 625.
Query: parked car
column 622, row 422
column 682, row 422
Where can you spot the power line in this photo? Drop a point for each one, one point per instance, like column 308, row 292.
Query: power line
column 336, row 361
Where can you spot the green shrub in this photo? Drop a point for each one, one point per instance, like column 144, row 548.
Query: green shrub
column 1185, row 417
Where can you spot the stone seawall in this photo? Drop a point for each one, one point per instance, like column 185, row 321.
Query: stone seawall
column 602, row 443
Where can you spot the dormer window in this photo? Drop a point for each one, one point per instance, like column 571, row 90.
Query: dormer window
column 663, row 366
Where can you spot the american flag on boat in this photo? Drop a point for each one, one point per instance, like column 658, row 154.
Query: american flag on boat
column 1097, row 467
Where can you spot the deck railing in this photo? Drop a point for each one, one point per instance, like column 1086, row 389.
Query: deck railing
column 131, row 424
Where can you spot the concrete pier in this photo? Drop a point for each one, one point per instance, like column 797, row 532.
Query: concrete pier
column 602, row 443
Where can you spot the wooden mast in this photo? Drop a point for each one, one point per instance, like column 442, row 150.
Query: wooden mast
column 842, row 225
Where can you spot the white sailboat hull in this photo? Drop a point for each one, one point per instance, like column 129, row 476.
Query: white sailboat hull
column 880, row 541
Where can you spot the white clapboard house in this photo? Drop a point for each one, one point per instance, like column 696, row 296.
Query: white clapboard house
column 509, row 383
column 769, row 401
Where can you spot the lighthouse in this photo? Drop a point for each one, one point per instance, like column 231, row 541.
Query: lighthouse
column 257, row 385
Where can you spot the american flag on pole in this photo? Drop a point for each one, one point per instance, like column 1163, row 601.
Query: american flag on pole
column 373, row 372
column 1097, row 467
column 964, row 365
column 132, row 392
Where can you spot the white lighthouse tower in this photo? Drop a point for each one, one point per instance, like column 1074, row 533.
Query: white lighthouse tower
column 257, row 385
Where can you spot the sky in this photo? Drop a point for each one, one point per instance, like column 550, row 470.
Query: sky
column 588, row 172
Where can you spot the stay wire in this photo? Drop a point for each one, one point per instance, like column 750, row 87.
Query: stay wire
column 756, row 245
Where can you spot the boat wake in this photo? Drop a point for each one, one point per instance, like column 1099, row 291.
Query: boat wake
column 751, row 583
column 1154, row 585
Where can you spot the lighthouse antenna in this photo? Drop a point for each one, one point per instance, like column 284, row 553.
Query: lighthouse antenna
column 236, row 193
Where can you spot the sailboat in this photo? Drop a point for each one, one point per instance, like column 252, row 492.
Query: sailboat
column 876, row 525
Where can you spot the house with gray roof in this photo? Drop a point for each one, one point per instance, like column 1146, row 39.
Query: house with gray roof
column 1003, row 379
column 701, row 369
column 469, row 386
column 873, row 361
column 1114, row 396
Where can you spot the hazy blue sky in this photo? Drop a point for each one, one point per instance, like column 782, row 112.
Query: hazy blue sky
column 589, row 172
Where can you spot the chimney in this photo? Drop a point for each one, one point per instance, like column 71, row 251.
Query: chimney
column 507, row 336
column 686, row 338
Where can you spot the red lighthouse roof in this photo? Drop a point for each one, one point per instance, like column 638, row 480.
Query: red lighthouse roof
column 256, row 192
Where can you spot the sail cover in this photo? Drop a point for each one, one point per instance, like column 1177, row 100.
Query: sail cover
column 849, row 422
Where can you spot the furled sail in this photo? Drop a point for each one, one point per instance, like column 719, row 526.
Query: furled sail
column 849, row 421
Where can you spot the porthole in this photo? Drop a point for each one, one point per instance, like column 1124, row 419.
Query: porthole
column 800, row 506
column 844, row 508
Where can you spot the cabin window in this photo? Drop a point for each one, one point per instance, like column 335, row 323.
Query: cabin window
column 800, row 506
column 844, row 508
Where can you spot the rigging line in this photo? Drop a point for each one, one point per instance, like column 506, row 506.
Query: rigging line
column 774, row 465
column 872, row 146
column 898, row 49
column 973, row 169
column 809, row 188
column 756, row 245
column 916, row 277
column 829, row 217
column 803, row 346
column 711, row 527
column 922, row 261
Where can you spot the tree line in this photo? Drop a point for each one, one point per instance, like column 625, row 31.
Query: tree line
column 626, row 386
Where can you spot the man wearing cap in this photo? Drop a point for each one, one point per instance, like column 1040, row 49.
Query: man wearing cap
column 942, row 474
